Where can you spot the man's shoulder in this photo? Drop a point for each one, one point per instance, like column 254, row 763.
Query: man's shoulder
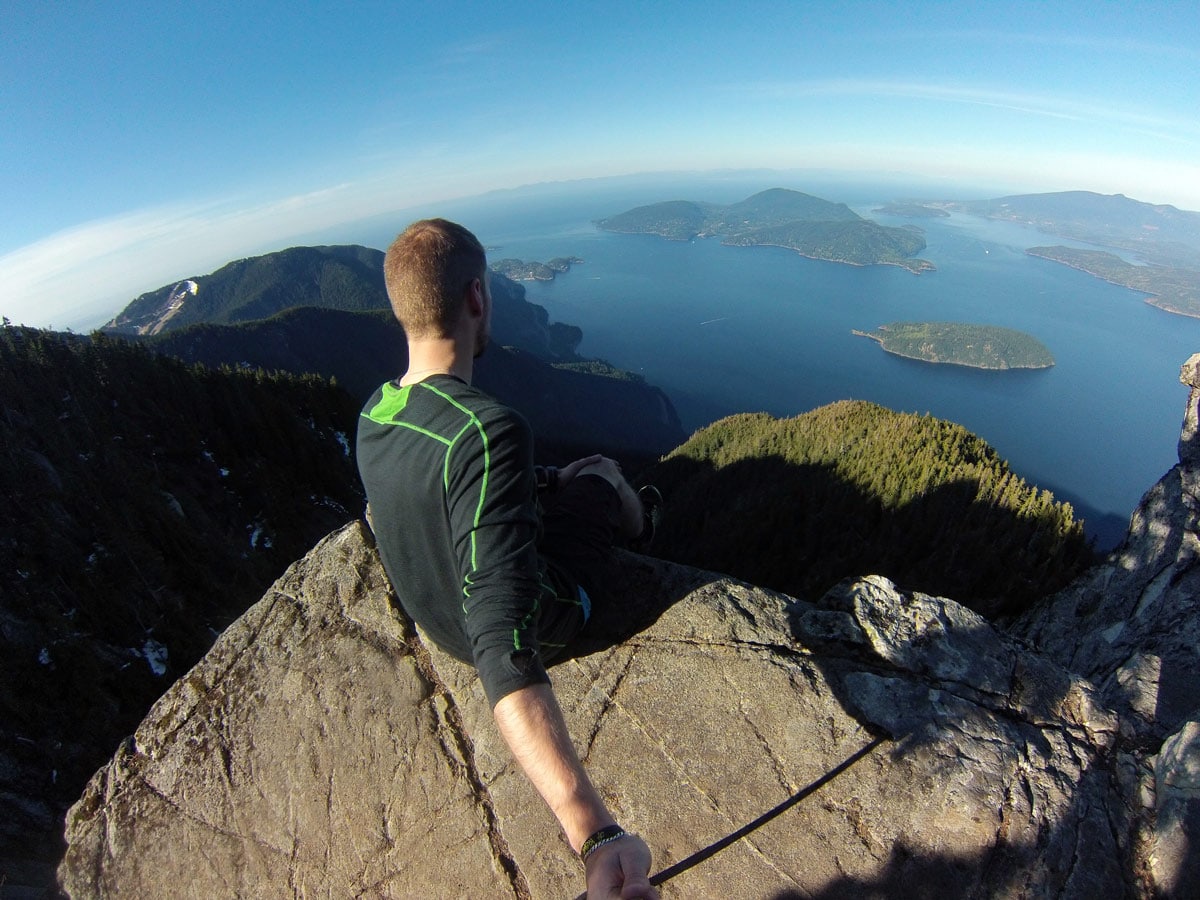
column 473, row 400
column 440, row 396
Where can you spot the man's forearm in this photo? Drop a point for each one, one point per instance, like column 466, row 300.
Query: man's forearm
column 531, row 723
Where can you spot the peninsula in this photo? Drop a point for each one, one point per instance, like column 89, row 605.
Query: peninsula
column 778, row 217
column 1173, row 288
column 954, row 343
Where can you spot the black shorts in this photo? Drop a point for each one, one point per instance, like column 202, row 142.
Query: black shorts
column 579, row 524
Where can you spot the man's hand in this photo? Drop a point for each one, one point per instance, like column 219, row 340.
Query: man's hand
column 567, row 472
column 620, row 870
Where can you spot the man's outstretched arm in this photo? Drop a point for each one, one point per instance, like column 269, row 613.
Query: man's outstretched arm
column 531, row 723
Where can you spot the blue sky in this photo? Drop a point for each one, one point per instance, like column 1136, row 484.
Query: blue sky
column 145, row 142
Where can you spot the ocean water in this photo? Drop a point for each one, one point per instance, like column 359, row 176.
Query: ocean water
column 732, row 329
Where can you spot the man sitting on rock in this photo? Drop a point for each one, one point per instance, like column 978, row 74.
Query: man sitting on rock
column 453, row 494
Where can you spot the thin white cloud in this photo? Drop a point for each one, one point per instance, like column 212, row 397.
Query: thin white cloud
column 1051, row 106
column 1097, row 44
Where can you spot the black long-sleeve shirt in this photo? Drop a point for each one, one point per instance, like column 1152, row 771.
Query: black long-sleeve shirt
column 449, row 476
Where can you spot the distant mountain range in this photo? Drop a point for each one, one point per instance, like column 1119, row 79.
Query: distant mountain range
column 780, row 218
column 346, row 277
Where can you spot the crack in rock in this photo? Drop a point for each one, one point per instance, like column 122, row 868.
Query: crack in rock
column 451, row 719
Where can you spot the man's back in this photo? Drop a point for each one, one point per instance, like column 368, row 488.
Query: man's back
column 449, row 476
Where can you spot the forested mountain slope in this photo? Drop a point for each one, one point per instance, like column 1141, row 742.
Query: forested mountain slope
column 798, row 504
column 147, row 504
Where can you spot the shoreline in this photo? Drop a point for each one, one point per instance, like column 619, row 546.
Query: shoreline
column 1148, row 297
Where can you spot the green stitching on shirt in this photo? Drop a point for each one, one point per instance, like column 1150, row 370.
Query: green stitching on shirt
column 487, row 462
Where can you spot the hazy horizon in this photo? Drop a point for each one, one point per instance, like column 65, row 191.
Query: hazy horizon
column 146, row 143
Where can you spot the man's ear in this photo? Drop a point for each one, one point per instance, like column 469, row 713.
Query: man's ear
column 475, row 304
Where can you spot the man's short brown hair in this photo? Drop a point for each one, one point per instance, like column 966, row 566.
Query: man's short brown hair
column 427, row 270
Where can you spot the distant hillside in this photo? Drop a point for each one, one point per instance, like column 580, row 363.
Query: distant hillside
column 1160, row 234
column 960, row 344
column 798, row 504
column 349, row 278
column 778, row 217
column 349, row 334
column 147, row 504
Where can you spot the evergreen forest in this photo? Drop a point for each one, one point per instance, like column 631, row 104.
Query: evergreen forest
column 853, row 488
column 148, row 504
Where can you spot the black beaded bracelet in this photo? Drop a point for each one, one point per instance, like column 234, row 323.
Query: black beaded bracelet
column 605, row 835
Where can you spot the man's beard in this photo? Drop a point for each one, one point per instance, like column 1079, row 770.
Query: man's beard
column 481, row 343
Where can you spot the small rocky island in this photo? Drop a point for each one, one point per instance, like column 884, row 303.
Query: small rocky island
column 954, row 343
column 779, row 217
column 520, row 270
column 911, row 210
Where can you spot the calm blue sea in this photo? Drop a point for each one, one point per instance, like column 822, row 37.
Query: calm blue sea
column 730, row 329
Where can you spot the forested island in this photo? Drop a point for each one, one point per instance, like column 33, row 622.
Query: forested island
column 1171, row 288
column 520, row 270
column 778, row 217
column 954, row 343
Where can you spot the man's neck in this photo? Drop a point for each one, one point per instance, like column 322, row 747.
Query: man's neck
column 437, row 357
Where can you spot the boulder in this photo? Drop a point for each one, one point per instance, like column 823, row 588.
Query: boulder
column 1131, row 626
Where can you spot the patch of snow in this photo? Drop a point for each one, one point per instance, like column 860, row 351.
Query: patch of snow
column 258, row 536
column 44, row 656
column 327, row 502
column 224, row 472
column 344, row 441
column 156, row 655
column 179, row 293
